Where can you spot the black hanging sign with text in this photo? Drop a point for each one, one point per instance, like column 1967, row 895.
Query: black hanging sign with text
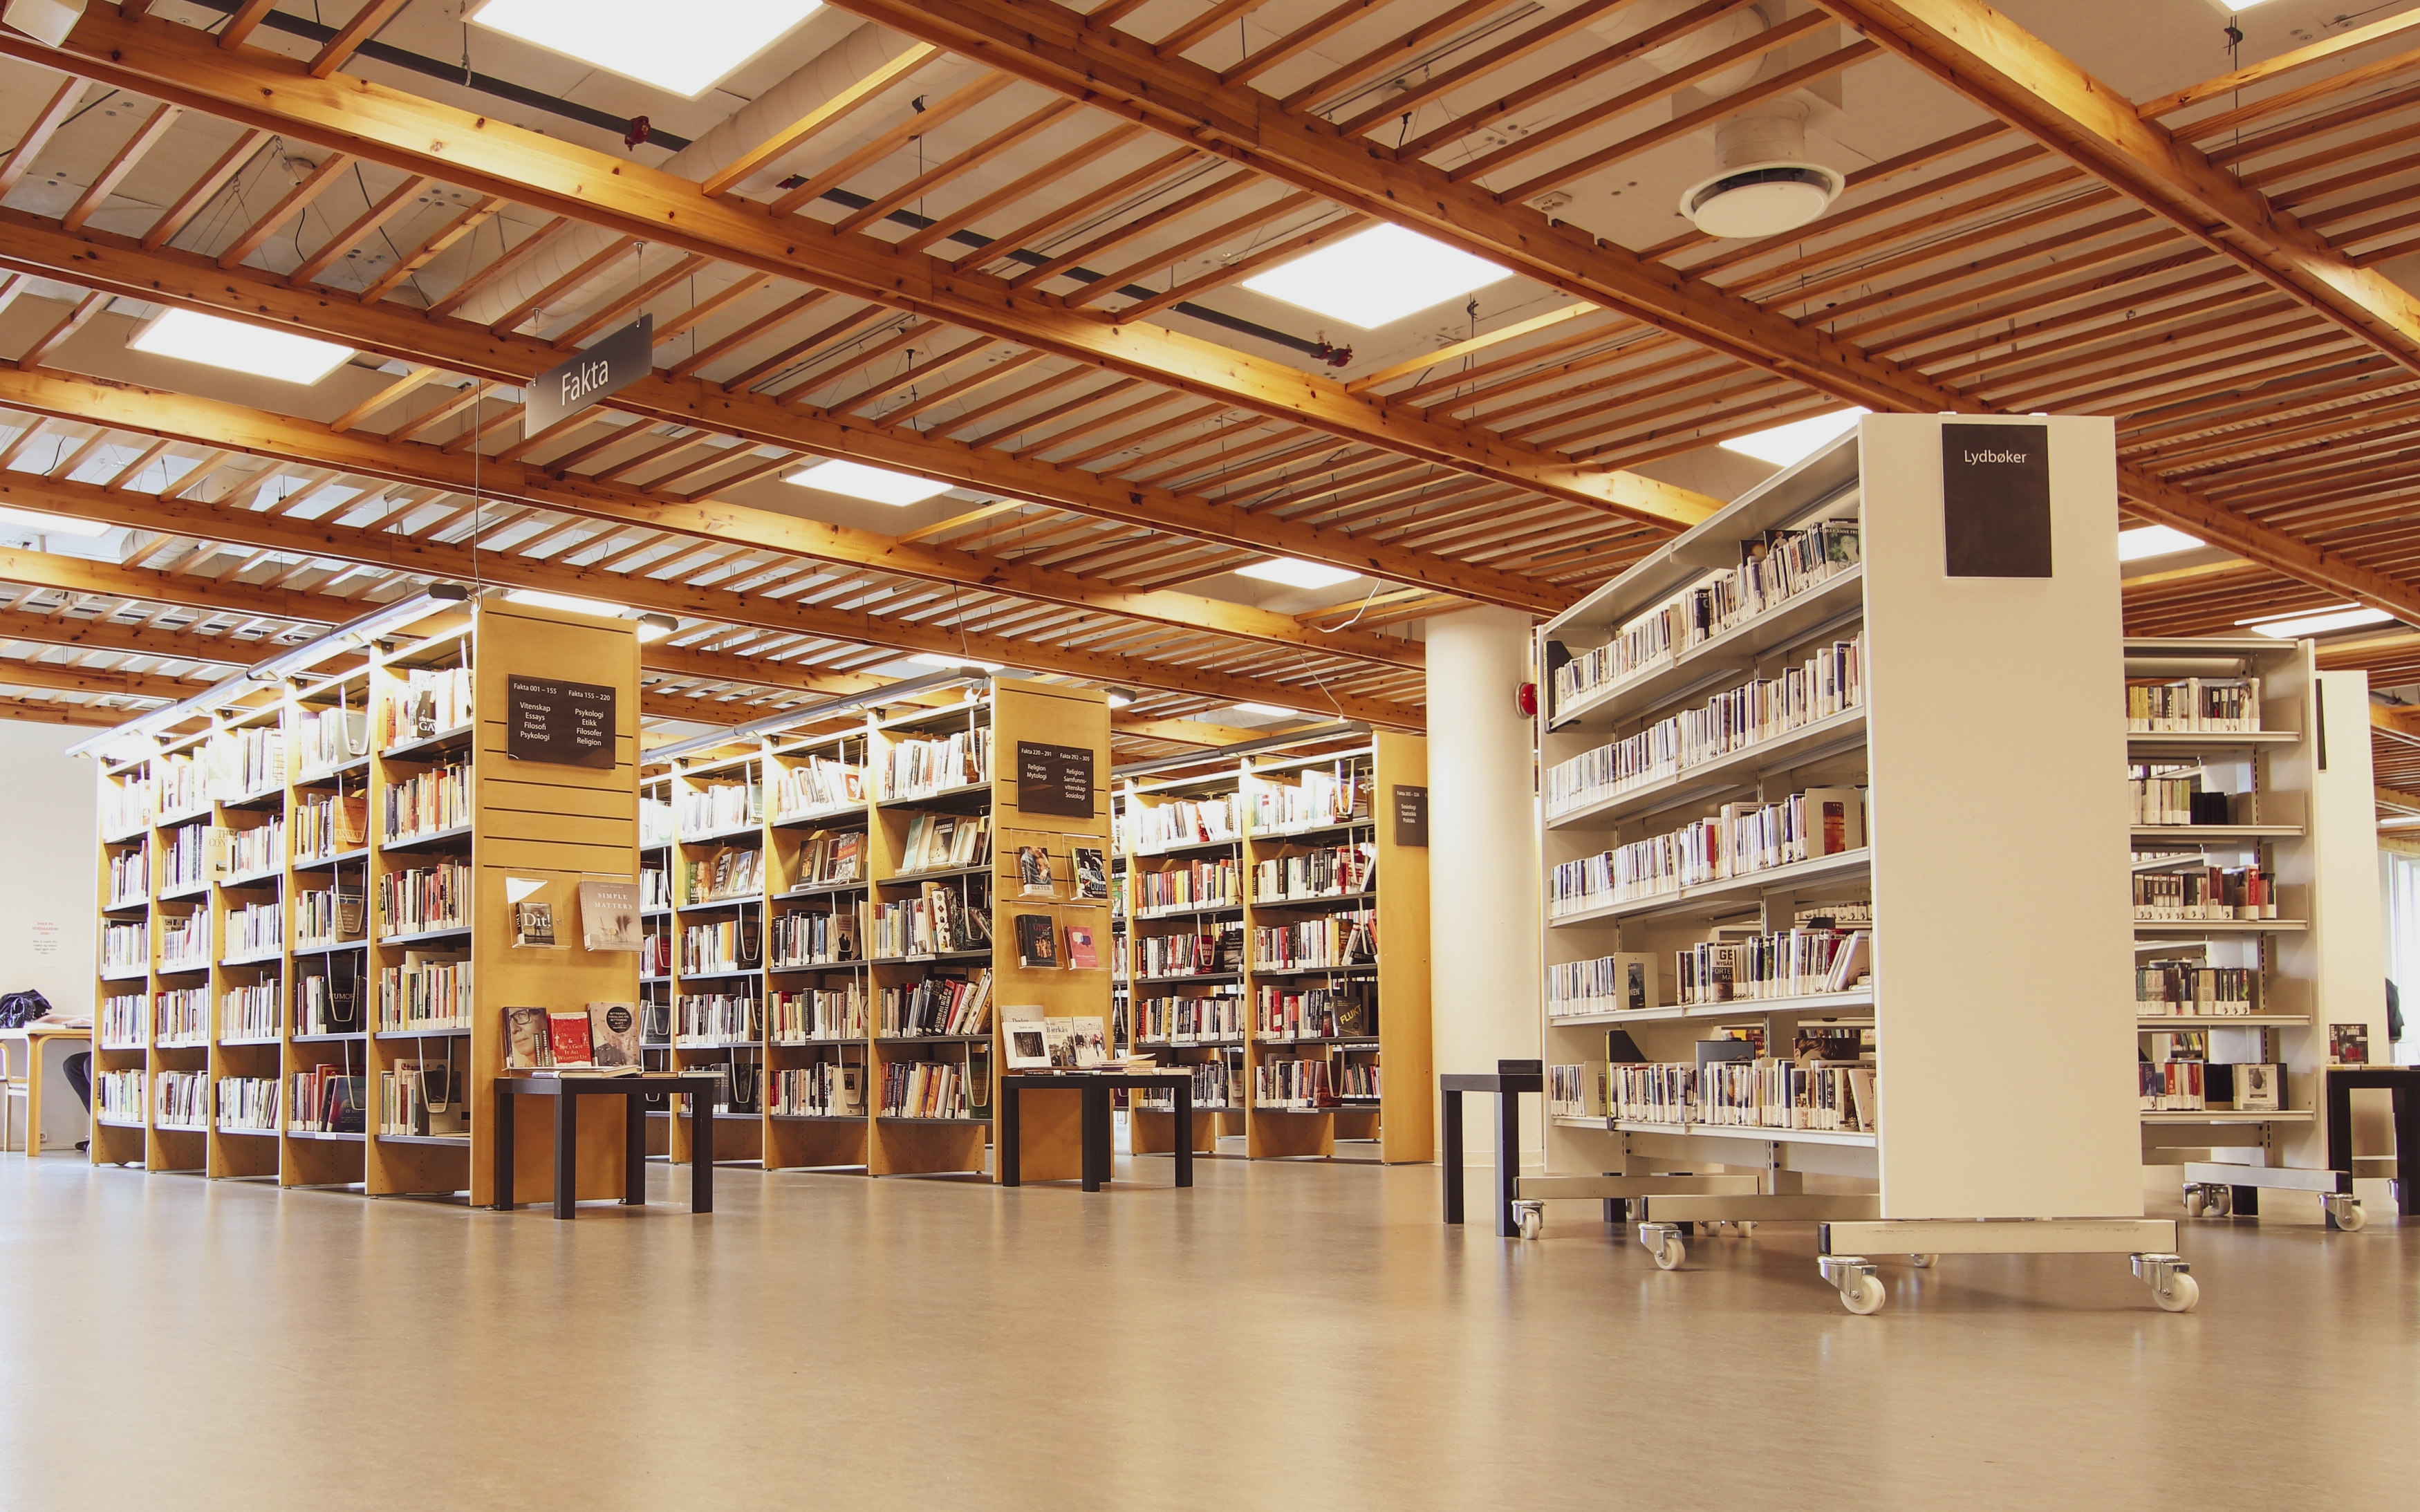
column 1054, row 780
column 568, row 387
column 570, row 724
column 1995, row 500
column 1411, row 815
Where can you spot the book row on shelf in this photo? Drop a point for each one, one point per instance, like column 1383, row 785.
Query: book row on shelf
column 183, row 1017
column 130, row 876
column 255, row 929
column 940, row 843
column 919, row 767
column 939, row 1088
column 417, row 899
column 257, row 850
column 1829, row 683
column 938, row 921
column 1159, row 826
column 430, row 700
column 421, row 1098
column 248, row 1104
column 731, row 945
column 2157, row 797
column 1791, row 962
column 1216, row 883
column 425, row 803
column 831, row 857
column 2205, row 893
column 1210, row 951
column 426, row 992
column 325, row 739
column 125, row 808
column 1762, row 1093
column 328, row 1100
column 122, row 1025
column 191, row 856
column 252, row 1012
column 1332, row 940
column 327, row 1003
column 179, row 785
column 328, row 825
column 1183, row 1020
column 808, row 1017
column 940, row 1004
column 826, row 1090
column 2228, row 705
column 1345, row 1013
column 118, row 1096
column 708, row 1020
column 2176, row 1074
column 1314, row 800
column 1330, row 872
column 724, row 876
column 815, row 937
column 185, row 941
column 1739, row 841
column 326, row 915
column 1307, row 1084
column 184, row 1100
column 125, row 947
column 1774, row 567
column 718, row 806
column 814, row 785
column 2182, row 987
column 1214, row 1087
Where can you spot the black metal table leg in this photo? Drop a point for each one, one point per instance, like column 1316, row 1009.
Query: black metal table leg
column 634, row 1150
column 1508, row 1159
column 2407, row 1147
column 567, row 1155
column 1012, row 1165
column 2339, row 1096
column 1185, row 1135
column 1094, row 1135
column 503, row 1195
column 701, row 1153
column 1453, row 1194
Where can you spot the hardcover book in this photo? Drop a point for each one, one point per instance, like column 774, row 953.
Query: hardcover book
column 609, row 915
column 2349, row 1044
column 614, row 1034
column 1037, row 944
column 526, row 1044
column 1081, row 956
column 1091, row 874
column 567, row 1032
column 1033, row 870
column 1024, row 1036
column 533, row 924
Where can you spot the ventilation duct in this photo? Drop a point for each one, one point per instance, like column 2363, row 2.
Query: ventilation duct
column 1765, row 184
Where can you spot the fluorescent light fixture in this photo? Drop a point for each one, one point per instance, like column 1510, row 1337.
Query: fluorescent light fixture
column 2316, row 621
column 934, row 658
column 1295, row 574
column 1377, row 277
column 539, row 598
column 238, row 346
column 686, row 50
column 2154, row 541
column 1786, row 445
column 1267, row 710
column 773, row 724
column 876, row 486
column 1120, row 696
column 655, row 626
column 54, row 524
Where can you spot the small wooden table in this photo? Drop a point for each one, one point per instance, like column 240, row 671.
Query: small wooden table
column 1096, row 1088
column 37, row 1038
column 2402, row 1080
column 567, row 1092
column 1507, row 1082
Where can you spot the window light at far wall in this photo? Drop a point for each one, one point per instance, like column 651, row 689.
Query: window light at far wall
column 876, row 486
column 685, row 50
column 1376, row 277
column 239, row 347
column 1786, row 445
column 2145, row 541
column 2316, row 621
column 1295, row 574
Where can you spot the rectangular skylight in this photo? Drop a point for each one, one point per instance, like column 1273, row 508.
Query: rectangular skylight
column 237, row 347
column 538, row 598
column 2145, row 541
column 2316, row 622
column 876, row 486
column 1268, row 711
column 1295, row 574
column 685, row 51
column 53, row 524
column 1785, row 445
column 1376, row 277
column 934, row 658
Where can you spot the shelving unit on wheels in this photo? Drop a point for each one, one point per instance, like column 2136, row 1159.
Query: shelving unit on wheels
column 1833, row 690
column 1277, row 928
column 2256, row 929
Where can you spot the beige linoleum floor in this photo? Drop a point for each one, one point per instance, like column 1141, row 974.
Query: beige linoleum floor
column 1283, row 1336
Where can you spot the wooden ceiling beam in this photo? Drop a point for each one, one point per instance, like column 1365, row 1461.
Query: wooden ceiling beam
column 420, row 137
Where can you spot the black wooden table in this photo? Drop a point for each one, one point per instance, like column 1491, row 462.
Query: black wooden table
column 567, row 1092
column 1096, row 1088
column 2404, row 1082
column 1508, row 1083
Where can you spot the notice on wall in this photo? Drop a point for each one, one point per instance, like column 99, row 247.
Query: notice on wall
column 1411, row 806
column 1054, row 780
column 46, row 936
column 1995, row 500
column 570, row 386
column 570, row 724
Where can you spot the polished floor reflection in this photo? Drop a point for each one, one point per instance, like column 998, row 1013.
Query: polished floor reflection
column 1282, row 1337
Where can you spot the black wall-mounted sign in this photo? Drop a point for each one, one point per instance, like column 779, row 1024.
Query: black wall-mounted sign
column 568, row 387
column 1995, row 500
column 1056, row 779
column 570, row 724
column 1411, row 815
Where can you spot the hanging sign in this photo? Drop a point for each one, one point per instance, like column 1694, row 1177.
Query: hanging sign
column 1995, row 500
column 1054, row 780
column 570, row 724
column 568, row 387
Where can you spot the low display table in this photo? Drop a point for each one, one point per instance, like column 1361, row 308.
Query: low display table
column 1096, row 1088
column 1507, row 1082
column 567, row 1092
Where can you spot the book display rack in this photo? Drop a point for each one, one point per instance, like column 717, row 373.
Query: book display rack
column 2255, row 869
column 1760, row 956
column 846, row 909
column 308, row 920
column 1278, row 941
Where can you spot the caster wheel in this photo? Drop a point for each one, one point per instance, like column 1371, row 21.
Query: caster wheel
column 1533, row 1223
column 1746, row 1227
column 1670, row 1254
column 2352, row 1220
column 2221, row 1203
column 1924, row 1262
column 1867, row 1298
column 2196, row 1204
column 2182, row 1292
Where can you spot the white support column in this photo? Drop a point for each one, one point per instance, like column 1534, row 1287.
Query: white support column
column 1483, row 906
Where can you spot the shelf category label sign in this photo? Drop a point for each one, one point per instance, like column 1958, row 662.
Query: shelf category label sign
column 570, row 724
column 572, row 385
column 1996, row 501
column 1411, row 815
column 1054, row 780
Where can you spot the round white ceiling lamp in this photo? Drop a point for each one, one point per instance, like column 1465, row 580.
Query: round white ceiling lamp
column 1766, row 185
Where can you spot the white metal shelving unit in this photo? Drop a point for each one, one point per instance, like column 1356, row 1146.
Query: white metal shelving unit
column 1962, row 1157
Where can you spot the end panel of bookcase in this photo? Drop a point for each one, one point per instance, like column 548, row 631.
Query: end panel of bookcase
column 1977, row 686
column 2344, row 951
column 1407, row 1060
column 555, row 825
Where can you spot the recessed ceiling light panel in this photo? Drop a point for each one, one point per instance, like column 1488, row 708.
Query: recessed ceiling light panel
column 1785, row 445
column 237, row 347
column 1376, row 277
column 2146, row 541
column 685, row 50
column 1295, row 574
column 876, row 486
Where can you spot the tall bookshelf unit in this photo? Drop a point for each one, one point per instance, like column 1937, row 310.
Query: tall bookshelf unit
column 820, row 991
column 1828, row 802
column 345, row 842
column 1309, row 984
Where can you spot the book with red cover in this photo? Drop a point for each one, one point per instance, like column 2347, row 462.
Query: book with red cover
column 1080, row 954
column 567, row 1032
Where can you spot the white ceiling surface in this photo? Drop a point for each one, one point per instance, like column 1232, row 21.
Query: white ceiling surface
column 1874, row 111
